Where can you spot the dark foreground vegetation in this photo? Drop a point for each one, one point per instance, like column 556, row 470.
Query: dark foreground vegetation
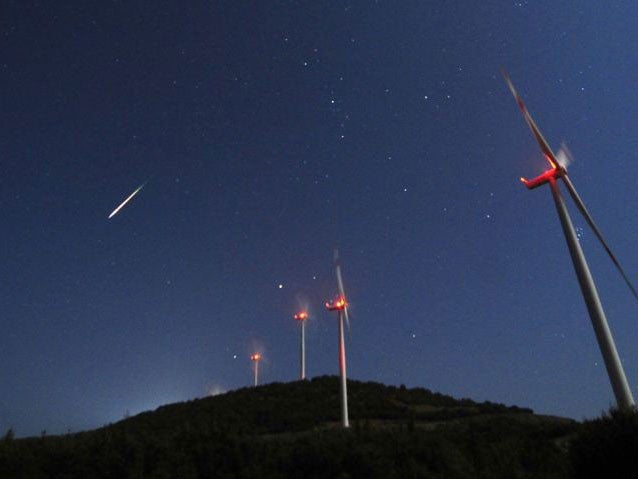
column 291, row 430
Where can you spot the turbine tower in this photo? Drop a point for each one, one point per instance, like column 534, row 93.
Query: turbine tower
column 340, row 305
column 557, row 171
column 255, row 358
column 302, row 316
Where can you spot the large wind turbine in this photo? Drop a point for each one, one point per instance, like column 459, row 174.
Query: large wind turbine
column 558, row 171
column 302, row 317
column 340, row 305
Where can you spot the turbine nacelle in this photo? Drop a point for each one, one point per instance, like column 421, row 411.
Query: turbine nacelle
column 337, row 304
column 554, row 173
column 255, row 357
column 301, row 316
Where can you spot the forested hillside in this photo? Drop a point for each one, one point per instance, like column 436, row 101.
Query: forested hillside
column 292, row 430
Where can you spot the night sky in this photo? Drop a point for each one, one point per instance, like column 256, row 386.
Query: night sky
column 271, row 132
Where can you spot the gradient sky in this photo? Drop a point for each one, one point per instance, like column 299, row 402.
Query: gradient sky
column 270, row 132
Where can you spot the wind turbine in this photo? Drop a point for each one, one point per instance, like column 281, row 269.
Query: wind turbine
column 302, row 317
column 558, row 170
column 340, row 305
column 255, row 358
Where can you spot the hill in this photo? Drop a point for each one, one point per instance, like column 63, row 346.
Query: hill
column 291, row 430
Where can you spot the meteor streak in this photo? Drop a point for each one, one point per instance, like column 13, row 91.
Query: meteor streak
column 115, row 211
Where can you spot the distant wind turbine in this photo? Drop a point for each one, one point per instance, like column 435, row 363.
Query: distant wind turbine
column 255, row 358
column 301, row 317
column 340, row 305
column 558, row 170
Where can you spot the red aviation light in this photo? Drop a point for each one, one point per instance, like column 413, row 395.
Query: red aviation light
column 255, row 357
column 338, row 304
column 301, row 316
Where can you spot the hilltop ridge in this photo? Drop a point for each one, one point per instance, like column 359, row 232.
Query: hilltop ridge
column 292, row 430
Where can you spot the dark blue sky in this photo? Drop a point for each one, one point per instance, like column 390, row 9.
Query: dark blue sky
column 271, row 132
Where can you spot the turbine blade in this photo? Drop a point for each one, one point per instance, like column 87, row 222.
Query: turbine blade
column 599, row 235
column 345, row 315
column 547, row 151
column 341, row 290
column 338, row 271
column 564, row 157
